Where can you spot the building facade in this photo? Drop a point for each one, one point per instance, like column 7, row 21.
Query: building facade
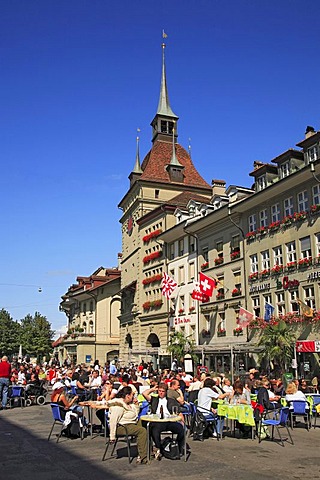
column 92, row 307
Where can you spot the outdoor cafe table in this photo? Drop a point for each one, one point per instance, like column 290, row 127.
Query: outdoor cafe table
column 93, row 405
column 155, row 418
column 242, row 413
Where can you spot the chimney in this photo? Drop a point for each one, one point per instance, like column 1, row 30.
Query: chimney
column 119, row 260
column 218, row 187
column 309, row 131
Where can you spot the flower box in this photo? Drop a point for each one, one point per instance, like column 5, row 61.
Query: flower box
column 154, row 234
column 262, row 230
column 291, row 266
column 152, row 256
column 221, row 332
column 251, row 236
column 274, row 226
column 153, row 279
column 304, row 262
column 235, row 255
column 300, row 216
column 220, row 296
column 181, row 311
column 253, row 277
column 237, row 331
column 314, row 209
column 204, row 265
column 265, row 273
column 236, row 292
column 192, row 309
column 277, row 270
column 286, row 221
column 218, row 260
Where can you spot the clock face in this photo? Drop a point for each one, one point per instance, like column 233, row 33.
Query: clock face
column 130, row 225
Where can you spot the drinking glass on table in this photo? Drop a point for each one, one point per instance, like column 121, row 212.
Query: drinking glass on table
column 175, row 410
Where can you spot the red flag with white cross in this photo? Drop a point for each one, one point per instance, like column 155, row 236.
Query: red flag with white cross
column 207, row 284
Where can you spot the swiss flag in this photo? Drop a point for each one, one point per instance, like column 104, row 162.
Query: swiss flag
column 207, row 284
column 244, row 318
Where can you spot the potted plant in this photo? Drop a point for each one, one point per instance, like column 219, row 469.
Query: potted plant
column 237, row 331
column 235, row 255
column 221, row 332
column 220, row 295
column 218, row 260
column 236, row 292
column 204, row 265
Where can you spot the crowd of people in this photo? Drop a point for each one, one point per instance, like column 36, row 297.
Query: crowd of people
column 167, row 392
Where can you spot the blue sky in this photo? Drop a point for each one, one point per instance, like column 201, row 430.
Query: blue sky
column 78, row 77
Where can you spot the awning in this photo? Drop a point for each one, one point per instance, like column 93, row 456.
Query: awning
column 312, row 346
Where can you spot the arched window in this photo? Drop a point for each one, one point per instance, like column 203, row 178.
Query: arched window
column 84, row 326
column 91, row 327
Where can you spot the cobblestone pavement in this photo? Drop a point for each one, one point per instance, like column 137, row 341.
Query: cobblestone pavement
column 26, row 454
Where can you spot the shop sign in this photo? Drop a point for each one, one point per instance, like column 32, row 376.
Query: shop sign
column 313, row 276
column 287, row 284
column 181, row 320
column 259, row 288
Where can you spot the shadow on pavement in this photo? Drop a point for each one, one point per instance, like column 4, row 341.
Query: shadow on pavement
column 26, row 455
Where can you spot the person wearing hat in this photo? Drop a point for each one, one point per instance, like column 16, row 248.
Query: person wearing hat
column 58, row 396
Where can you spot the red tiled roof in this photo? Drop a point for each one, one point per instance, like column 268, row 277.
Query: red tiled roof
column 155, row 162
column 183, row 199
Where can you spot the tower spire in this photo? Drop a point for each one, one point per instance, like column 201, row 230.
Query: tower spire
column 137, row 170
column 137, row 166
column 174, row 161
column 164, row 107
column 162, row 124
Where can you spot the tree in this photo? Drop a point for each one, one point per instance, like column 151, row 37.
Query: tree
column 278, row 343
column 10, row 332
column 36, row 335
column 180, row 344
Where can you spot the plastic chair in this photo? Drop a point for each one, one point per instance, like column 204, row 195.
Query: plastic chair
column 315, row 402
column 56, row 412
column 144, row 408
column 126, row 436
column 299, row 408
column 17, row 393
column 211, row 420
column 279, row 420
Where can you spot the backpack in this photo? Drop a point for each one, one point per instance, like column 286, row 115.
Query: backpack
column 198, row 426
column 170, row 449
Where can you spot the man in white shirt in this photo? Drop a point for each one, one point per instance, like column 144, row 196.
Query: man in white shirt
column 205, row 397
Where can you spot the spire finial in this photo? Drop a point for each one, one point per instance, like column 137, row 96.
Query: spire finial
column 137, row 166
column 164, row 104
column 189, row 146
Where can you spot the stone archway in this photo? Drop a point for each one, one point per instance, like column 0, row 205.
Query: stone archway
column 153, row 340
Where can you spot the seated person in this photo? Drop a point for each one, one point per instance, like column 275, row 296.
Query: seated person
column 162, row 405
column 241, row 396
column 263, row 397
column 292, row 393
column 82, row 392
column 124, row 410
column 175, row 392
column 227, row 387
column 58, row 396
column 205, row 397
column 303, row 387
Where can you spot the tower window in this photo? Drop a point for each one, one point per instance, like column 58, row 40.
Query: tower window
column 156, row 193
column 166, row 127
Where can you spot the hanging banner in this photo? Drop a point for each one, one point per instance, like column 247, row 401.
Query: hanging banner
column 310, row 346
